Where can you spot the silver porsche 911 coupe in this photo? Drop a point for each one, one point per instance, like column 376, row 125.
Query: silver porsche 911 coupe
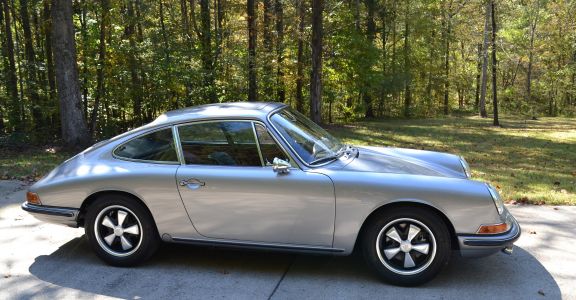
column 263, row 176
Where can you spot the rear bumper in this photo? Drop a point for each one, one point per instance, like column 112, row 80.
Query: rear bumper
column 477, row 245
column 51, row 214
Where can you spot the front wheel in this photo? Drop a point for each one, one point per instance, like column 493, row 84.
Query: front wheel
column 407, row 246
column 121, row 231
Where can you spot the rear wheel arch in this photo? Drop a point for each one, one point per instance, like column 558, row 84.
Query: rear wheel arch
column 95, row 196
column 403, row 204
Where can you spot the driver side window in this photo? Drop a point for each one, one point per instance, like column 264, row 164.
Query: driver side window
column 227, row 143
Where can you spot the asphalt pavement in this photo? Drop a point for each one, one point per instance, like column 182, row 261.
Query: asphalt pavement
column 45, row 261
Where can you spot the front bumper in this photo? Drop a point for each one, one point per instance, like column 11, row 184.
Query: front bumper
column 478, row 245
column 51, row 214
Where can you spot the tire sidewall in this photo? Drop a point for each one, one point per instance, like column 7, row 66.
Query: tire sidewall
column 150, row 239
column 428, row 218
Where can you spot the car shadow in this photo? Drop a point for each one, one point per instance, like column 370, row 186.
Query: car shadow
column 181, row 271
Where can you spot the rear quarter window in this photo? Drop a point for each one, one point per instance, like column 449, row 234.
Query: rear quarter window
column 157, row 146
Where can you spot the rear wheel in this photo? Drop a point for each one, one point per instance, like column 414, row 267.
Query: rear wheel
column 407, row 246
column 121, row 231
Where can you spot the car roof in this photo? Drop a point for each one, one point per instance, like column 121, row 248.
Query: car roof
column 258, row 110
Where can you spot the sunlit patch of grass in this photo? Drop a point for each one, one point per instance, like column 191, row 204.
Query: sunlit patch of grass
column 30, row 163
column 529, row 160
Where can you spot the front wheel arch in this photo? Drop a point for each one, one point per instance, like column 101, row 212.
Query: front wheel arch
column 389, row 206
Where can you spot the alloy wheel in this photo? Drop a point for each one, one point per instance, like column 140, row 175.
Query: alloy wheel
column 118, row 230
column 406, row 246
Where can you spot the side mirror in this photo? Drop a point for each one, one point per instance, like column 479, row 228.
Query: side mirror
column 280, row 166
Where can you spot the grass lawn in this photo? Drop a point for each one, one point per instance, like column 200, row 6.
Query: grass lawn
column 530, row 161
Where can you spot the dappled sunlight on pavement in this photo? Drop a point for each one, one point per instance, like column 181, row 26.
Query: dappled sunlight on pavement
column 53, row 262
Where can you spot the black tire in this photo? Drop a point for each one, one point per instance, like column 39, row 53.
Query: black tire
column 110, row 241
column 387, row 257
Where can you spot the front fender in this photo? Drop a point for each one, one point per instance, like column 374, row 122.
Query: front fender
column 466, row 203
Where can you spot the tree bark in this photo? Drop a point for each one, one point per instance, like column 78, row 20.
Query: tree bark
column 494, row 64
column 32, row 84
column 407, row 88
column 316, row 75
column 447, row 62
column 74, row 130
column 370, row 36
column 100, row 85
column 14, row 118
column 268, row 45
column 533, row 23
column 280, row 89
column 252, row 35
column 300, row 58
column 478, row 75
column 482, row 107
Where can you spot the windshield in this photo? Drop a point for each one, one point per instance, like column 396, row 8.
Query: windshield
column 309, row 141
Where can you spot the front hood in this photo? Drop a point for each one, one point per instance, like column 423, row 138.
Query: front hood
column 406, row 161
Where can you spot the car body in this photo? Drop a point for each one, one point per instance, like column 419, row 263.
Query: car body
column 259, row 175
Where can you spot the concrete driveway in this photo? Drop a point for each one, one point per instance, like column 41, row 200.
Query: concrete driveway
column 46, row 261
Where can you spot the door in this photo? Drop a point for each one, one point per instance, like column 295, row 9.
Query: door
column 231, row 192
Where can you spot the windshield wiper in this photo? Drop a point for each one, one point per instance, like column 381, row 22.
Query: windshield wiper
column 334, row 156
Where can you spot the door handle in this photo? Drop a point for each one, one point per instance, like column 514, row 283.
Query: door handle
column 192, row 183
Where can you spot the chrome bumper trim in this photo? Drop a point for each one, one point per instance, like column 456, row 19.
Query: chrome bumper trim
column 495, row 240
column 52, row 214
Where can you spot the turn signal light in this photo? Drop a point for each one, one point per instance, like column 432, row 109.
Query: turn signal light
column 33, row 198
column 493, row 228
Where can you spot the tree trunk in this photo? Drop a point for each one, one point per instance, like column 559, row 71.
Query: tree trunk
column 74, row 130
column 478, row 75
column 494, row 64
column 300, row 58
column 316, row 75
column 32, row 85
column 407, row 88
column 482, row 107
column 252, row 35
column 384, row 36
column 205, row 36
column 100, row 85
column 135, row 82
column 47, row 29
column 14, row 118
column 447, row 62
column 531, row 57
column 280, row 89
column 370, row 35
column 268, row 45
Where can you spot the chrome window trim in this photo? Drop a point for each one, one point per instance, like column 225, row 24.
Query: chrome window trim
column 268, row 117
column 258, row 144
column 176, row 137
column 292, row 160
column 254, row 121
column 160, row 162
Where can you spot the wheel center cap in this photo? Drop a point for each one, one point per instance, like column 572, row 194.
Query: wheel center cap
column 405, row 246
column 118, row 231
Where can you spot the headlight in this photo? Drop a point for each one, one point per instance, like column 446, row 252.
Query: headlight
column 496, row 197
column 465, row 166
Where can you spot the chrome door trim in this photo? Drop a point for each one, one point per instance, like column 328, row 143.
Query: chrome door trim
column 256, row 245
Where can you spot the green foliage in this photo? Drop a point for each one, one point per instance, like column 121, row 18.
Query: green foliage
column 154, row 59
